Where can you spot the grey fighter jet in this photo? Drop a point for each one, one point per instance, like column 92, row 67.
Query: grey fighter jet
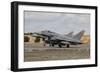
column 53, row 38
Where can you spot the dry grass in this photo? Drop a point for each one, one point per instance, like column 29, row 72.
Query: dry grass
column 40, row 53
column 86, row 39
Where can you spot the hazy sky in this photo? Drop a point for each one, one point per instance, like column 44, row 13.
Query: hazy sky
column 58, row 22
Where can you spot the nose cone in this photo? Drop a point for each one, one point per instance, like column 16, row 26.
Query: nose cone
column 35, row 34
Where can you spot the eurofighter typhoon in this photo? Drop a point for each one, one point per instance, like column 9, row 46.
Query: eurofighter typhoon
column 53, row 38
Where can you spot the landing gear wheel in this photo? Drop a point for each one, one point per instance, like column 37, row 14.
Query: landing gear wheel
column 60, row 45
column 52, row 45
column 68, row 46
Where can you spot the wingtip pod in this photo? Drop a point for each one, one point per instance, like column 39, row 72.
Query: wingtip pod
column 79, row 35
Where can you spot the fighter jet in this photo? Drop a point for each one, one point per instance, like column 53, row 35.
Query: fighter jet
column 53, row 38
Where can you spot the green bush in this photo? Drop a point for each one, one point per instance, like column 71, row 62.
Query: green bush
column 26, row 39
column 37, row 39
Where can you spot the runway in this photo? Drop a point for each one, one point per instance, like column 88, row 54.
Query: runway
column 38, row 52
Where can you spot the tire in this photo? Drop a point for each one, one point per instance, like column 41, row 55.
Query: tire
column 68, row 45
column 53, row 45
column 60, row 46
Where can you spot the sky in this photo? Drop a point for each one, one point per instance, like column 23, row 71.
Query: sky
column 57, row 22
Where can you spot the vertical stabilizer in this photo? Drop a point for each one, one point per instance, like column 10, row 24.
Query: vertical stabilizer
column 79, row 35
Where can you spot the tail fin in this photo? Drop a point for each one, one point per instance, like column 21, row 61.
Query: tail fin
column 79, row 35
column 69, row 34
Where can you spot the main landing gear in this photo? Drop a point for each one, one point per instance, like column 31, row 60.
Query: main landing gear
column 68, row 45
column 60, row 45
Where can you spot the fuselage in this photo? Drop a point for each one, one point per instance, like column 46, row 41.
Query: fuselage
column 54, row 38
